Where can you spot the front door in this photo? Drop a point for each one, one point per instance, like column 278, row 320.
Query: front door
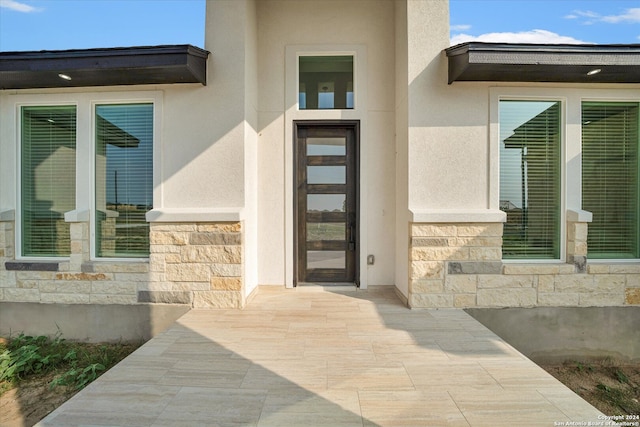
column 326, row 201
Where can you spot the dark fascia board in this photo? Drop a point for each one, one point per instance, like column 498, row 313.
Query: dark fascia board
column 104, row 67
column 505, row 62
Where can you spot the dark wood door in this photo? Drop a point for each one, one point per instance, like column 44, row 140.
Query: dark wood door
column 326, row 201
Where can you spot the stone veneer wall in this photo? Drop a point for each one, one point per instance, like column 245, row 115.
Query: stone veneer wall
column 197, row 264
column 460, row 265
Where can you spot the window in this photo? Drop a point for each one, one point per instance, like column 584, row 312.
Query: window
column 124, row 179
column 48, row 174
column 325, row 82
column 610, row 140
column 530, row 192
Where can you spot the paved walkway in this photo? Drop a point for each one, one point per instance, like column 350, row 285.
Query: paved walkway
column 309, row 357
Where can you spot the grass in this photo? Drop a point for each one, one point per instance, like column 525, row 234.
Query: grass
column 70, row 364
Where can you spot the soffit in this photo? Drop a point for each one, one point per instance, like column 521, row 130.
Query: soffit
column 103, row 67
column 504, row 62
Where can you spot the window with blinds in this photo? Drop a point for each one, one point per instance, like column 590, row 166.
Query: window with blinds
column 48, row 174
column 610, row 140
column 124, row 179
column 530, row 159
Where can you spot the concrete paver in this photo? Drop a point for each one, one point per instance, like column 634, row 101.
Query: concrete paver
column 320, row 357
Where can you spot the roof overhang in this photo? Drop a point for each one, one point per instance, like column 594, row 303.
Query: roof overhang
column 103, row 67
column 505, row 62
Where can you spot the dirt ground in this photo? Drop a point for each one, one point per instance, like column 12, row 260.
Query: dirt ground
column 27, row 404
column 612, row 388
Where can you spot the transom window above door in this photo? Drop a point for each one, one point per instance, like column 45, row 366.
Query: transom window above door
column 325, row 82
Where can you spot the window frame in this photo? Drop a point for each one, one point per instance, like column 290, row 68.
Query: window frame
column 571, row 99
column 561, row 168
column 18, row 176
column 84, row 103
column 94, row 213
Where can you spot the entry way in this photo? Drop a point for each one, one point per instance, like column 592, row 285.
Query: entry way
column 326, row 201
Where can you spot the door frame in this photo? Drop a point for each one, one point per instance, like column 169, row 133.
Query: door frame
column 355, row 126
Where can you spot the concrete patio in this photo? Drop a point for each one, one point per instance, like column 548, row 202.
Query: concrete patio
column 321, row 357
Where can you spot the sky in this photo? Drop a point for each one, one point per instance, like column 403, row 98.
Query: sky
column 83, row 24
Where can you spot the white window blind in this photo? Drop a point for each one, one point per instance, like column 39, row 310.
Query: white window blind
column 48, row 172
column 610, row 141
column 530, row 178
column 124, row 179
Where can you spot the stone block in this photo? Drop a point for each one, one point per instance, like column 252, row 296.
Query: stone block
column 494, row 230
column 598, row 268
column 427, row 270
column 602, row 299
column 219, row 227
column 567, row 269
column 216, row 239
column 217, row 299
column 433, row 230
column 485, row 254
column 624, row 268
column 21, row 295
column 531, row 268
column 427, row 286
column 556, row 299
column 7, row 279
column 464, row 300
column 429, row 241
column 110, row 267
column 165, row 297
column 177, row 238
column 226, row 283
column 431, row 300
column 188, row 272
column 546, row 283
column 633, row 280
column 66, row 287
column 439, row 254
column 172, row 227
column 576, row 283
column 632, row 296
column 83, row 276
column 213, row 254
column 473, row 267
column 164, row 249
column 28, row 284
column 461, row 284
column 192, row 286
column 579, row 263
column 504, row 282
column 477, row 241
column 124, row 288
column 609, row 283
column 226, row 270
column 132, row 277
column 524, row 297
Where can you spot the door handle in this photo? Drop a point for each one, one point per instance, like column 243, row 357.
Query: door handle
column 352, row 237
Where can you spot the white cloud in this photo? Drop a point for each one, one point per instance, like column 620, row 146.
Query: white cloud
column 533, row 36
column 629, row 16
column 17, row 6
column 462, row 27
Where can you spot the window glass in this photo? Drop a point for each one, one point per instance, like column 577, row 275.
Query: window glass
column 530, row 179
column 325, row 82
column 610, row 141
column 48, row 174
column 124, row 179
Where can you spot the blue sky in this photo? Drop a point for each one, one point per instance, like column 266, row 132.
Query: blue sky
column 81, row 24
